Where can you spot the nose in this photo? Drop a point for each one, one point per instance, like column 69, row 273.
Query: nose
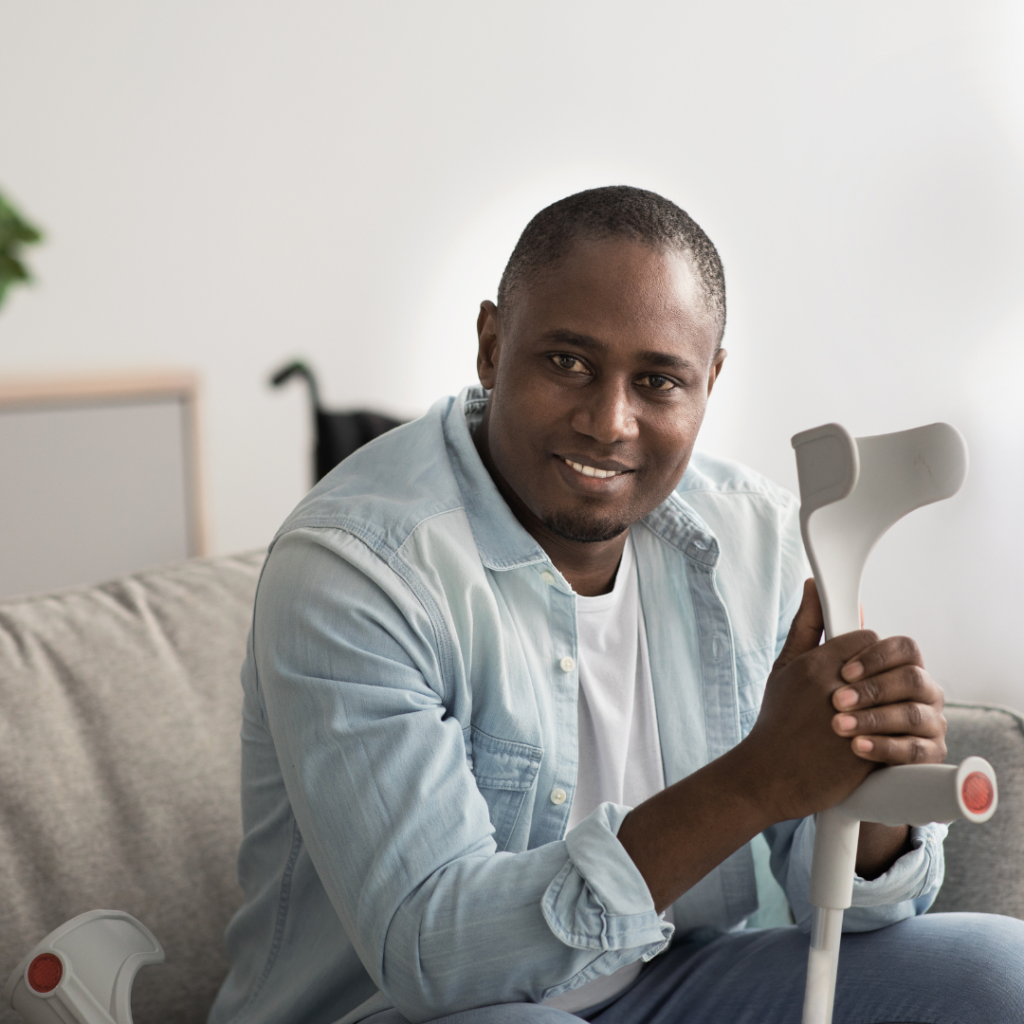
column 605, row 413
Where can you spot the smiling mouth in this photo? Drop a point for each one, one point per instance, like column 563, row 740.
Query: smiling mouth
column 600, row 474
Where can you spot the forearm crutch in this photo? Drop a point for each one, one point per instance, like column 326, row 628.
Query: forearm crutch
column 851, row 491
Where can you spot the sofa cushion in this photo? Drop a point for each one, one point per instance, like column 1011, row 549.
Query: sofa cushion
column 120, row 711
column 119, row 774
column 984, row 866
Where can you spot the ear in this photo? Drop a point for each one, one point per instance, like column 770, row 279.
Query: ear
column 716, row 368
column 488, row 329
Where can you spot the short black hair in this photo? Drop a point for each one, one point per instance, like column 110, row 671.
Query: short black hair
column 611, row 212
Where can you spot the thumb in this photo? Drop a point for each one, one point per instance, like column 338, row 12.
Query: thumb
column 808, row 625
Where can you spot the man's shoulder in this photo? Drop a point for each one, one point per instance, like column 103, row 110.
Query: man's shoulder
column 741, row 506
column 709, row 474
column 385, row 490
column 756, row 525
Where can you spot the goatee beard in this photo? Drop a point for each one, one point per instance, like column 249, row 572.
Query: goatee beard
column 583, row 529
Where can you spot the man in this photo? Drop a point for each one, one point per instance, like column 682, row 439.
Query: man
column 511, row 722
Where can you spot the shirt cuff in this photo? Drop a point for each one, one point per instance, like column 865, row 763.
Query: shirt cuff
column 599, row 900
column 918, row 872
column 907, row 889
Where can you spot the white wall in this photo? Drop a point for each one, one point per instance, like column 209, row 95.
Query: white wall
column 226, row 184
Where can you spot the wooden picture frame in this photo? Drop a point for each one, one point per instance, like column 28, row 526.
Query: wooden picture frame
column 55, row 415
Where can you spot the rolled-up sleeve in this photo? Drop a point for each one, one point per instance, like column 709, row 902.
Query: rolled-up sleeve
column 907, row 889
column 599, row 900
column 351, row 683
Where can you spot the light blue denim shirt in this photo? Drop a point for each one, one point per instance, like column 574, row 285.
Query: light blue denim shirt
column 410, row 714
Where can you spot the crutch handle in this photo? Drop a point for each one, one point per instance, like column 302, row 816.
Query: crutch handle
column 82, row 972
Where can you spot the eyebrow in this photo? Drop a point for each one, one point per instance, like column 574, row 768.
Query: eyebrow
column 584, row 341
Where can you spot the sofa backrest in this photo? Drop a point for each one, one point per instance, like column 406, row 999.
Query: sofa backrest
column 120, row 711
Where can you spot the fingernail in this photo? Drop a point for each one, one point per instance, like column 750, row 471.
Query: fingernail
column 853, row 671
column 847, row 722
column 863, row 745
column 846, row 697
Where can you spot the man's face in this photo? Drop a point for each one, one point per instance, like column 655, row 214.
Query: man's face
column 599, row 376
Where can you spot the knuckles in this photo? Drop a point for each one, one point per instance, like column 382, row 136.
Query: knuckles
column 907, row 683
column 913, row 750
column 870, row 691
column 915, row 716
column 908, row 718
column 869, row 722
column 920, row 684
column 917, row 679
column 923, row 688
column 918, row 750
column 892, row 653
column 906, row 650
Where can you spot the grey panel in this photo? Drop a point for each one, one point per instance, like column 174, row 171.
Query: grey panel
column 90, row 492
column 985, row 863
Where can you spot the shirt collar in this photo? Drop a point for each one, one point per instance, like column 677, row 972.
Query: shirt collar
column 500, row 539
column 676, row 523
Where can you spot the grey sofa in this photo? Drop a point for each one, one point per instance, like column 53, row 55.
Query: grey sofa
column 119, row 722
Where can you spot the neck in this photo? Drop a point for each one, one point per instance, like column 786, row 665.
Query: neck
column 589, row 568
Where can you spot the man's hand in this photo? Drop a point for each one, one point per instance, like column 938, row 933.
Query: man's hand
column 798, row 763
column 832, row 710
column 831, row 714
column 881, row 702
column 891, row 708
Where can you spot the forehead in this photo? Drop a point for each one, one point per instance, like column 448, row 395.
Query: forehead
column 625, row 293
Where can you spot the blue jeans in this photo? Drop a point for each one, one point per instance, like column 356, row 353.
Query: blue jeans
column 935, row 969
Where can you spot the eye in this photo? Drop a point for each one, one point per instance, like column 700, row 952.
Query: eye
column 570, row 363
column 658, row 383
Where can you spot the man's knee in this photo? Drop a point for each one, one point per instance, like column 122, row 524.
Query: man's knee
column 511, row 1013
column 505, row 1013
column 979, row 939
column 988, row 959
column 972, row 964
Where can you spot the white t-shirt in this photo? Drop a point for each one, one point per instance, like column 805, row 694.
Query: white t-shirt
column 619, row 748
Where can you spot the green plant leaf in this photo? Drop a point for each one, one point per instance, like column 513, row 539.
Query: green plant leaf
column 15, row 232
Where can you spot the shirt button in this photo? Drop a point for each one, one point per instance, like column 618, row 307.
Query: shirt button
column 548, row 578
column 558, row 795
column 567, row 664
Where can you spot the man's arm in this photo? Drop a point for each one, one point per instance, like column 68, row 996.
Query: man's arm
column 375, row 766
column 376, row 772
column 811, row 747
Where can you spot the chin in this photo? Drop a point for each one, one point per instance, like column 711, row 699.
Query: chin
column 583, row 528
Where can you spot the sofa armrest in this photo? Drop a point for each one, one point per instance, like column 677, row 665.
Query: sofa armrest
column 984, row 866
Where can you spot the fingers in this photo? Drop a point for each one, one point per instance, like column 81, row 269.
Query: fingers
column 807, row 628
column 903, row 733
column 893, row 750
column 908, row 718
column 890, row 707
column 905, row 683
column 881, row 656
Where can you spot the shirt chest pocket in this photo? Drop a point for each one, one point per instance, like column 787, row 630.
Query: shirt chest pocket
column 752, row 669
column 505, row 772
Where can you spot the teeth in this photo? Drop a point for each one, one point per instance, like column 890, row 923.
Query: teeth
column 601, row 474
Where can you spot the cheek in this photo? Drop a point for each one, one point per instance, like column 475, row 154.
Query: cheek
column 523, row 413
column 670, row 452
column 518, row 434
